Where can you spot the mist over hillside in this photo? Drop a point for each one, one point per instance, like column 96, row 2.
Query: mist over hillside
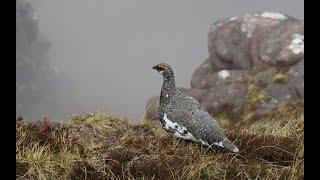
column 84, row 56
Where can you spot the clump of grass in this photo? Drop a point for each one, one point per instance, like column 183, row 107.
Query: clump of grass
column 43, row 152
column 286, row 119
column 99, row 146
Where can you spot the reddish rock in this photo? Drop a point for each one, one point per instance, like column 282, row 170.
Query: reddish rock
column 201, row 73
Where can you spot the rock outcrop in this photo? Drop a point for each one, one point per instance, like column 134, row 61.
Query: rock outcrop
column 34, row 73
column 254, row 63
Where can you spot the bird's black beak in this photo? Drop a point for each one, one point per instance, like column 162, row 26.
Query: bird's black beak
column 159, row 67
column 155, row 67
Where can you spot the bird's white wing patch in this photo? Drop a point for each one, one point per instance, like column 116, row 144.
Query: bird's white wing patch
column 168, row 123
column 187, row 136
column 215, row 143
column 218, row 144
column 179, row 131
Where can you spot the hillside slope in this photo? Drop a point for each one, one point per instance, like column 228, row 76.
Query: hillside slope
column 99, row 146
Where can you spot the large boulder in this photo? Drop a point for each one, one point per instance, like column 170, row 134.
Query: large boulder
column 296, row 76
column 201, row 73
column 228, row 99
column 254, row 63
column 223, row 77
column 251, row 40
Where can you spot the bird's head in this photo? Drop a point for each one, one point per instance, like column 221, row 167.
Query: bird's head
column 164, row 69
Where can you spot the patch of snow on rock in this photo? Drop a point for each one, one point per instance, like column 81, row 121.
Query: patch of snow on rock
column 297, row 44
column 273, row 15
column 224, row 74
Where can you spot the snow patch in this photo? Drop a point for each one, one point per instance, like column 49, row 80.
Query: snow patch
column 273, row 15
column 233, row 18
column 297, row 44
column 224, row 74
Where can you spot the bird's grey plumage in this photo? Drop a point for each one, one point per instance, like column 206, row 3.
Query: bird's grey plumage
column 184, row 117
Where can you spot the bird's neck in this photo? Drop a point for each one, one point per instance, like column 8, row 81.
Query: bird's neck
column 168, row 88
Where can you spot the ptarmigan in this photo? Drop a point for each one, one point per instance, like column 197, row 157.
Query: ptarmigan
column 184, row 117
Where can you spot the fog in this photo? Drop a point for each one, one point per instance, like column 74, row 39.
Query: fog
column 103, row 50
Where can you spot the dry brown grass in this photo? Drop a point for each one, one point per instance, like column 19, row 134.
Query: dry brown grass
column 99, row 146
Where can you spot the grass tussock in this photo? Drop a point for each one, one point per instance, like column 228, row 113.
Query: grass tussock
column 99, row 146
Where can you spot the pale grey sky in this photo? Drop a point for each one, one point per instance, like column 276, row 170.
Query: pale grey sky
column 107, row 47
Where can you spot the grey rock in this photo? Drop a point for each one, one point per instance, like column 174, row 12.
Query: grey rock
column 263, row 78
column 296, row 78
column 203, row 70
column 251, row 40
column 282, row 43
column 227, row 99
column 260, row 45
column 223, row 77
column 281, row 92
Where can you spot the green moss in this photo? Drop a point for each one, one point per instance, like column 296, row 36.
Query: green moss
column 255, row 96
column 280, row 78
column 260, row 68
